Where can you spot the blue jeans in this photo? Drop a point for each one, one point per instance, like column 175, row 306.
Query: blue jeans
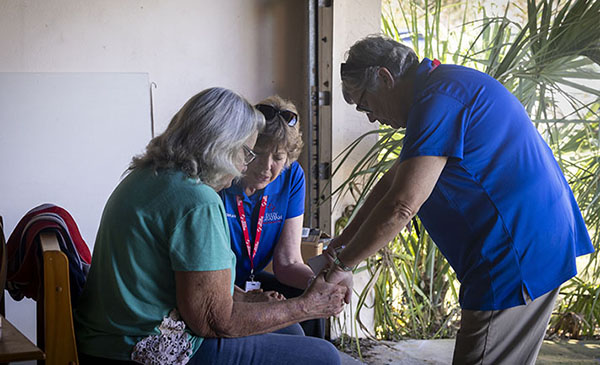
column 286, row 346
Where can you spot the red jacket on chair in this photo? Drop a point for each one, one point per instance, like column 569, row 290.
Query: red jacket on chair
column 24, row 253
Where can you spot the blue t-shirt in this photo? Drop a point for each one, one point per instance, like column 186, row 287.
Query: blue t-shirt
column 285, row 199
column 502, row 212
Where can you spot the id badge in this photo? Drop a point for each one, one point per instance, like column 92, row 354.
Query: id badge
column 252, row 285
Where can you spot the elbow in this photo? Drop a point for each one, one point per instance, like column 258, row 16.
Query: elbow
column 222, row 323
column 214, row 328
column 403, row 211
column 202, row 327
column 280, row 271
column 211, row 323
column 285, row 268
column 222, row 331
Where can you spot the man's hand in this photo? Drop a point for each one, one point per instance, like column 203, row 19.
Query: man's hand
column 333, row 248
column 335, row 275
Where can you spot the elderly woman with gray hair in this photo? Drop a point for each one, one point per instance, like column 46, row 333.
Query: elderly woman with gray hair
column 160, row 288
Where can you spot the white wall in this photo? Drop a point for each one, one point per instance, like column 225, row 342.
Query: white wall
column 66, row 139
column 353, row 20
column 256, row 47
column 185, row 45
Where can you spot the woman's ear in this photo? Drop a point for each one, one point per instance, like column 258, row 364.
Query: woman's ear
column 386, row 76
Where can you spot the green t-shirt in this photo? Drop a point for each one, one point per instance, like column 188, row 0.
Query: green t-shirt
column 152, row 225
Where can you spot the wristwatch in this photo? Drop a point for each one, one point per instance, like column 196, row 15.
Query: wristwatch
column 341, row 265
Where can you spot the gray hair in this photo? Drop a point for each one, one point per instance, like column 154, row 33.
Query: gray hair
column 366, row 56
column 205, row 137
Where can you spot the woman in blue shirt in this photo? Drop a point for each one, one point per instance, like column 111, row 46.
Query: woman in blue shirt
column 270, row 196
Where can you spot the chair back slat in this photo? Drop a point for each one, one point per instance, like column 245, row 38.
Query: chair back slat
column 59, row 336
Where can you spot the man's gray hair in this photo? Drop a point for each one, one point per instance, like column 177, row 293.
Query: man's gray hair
column 205, row 137
column 366, row 56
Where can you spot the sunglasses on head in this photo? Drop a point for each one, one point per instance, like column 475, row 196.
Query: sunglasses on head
column 271, row 112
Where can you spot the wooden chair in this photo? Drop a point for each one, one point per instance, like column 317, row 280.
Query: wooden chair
column 55, row 333
column 14, row 346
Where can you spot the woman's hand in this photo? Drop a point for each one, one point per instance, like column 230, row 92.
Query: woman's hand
column 258, row 295
column 323, row 299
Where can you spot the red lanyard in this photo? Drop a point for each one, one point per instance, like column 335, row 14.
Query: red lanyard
column 434, row 64
column 261, row 216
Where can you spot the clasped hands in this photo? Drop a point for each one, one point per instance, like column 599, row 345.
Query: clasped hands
column 327, row 292
column 334, row 274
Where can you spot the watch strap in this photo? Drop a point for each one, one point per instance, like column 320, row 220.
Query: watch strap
column 341, row 265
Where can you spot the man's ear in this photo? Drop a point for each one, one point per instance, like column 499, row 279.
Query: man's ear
column 386, row 76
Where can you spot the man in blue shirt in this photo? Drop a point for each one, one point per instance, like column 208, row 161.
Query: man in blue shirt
column 485, row 185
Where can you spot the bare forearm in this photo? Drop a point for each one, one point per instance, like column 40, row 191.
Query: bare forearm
column 248, row 318
column 288, row 265
column 377, row 230
column 321, row 299
column 204, row 302
column 258, row 318
column 296, row 275
column 374, row 197
column 412, row 184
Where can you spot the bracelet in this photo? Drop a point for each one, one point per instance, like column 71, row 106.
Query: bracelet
column 341, row 265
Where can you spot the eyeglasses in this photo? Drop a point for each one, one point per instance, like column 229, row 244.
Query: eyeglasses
column 348, row 68
column 360, row 108
column 249, row 155
column 270, row 112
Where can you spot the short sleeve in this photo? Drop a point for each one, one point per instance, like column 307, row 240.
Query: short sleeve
column 436, row 127
column 200, row 240
column 297, row 191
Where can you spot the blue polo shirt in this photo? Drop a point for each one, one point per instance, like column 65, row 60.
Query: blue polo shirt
column 502, row 212
column 285, row 200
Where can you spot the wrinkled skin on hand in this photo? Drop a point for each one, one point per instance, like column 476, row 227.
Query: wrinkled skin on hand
column 337, row 276
column 324, row 299
column 258, row 295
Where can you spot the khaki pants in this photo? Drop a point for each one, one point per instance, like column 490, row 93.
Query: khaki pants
column 509, row 336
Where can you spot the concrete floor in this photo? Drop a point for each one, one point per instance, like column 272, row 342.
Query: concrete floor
column 438, row 352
